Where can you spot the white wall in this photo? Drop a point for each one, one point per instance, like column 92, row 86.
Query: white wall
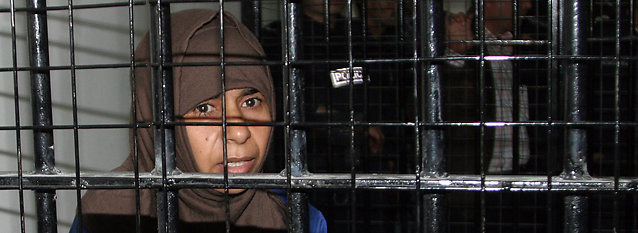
column 103, row 97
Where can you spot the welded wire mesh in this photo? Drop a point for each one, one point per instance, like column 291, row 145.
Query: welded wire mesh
column 408, row 143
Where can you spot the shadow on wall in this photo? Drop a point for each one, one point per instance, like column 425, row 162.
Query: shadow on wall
column 88, row 112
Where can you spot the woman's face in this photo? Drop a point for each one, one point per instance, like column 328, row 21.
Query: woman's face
column 246, row 145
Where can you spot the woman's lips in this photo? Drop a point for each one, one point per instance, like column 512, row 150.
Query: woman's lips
column 241, row 166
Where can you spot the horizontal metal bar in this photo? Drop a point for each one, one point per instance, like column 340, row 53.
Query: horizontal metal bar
column 500, row 42
column 357, row 62
column 136, row 64
column 587, row 124
column 105, row 5
column 75, row 6
column 331, row 61
column 88, row 126
column 513, row 183
column 76, row 67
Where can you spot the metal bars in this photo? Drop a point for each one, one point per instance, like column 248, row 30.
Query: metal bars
column 134, row 131
column 572, row 22
column 16, row 102
column 295, row 138
column 321, row 181
column 566, row 57
column 161, row 54
column 431, row 44
column 42, row 112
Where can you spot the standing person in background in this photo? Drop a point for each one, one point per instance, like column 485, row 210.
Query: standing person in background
column 504, row 95
column 390, row 99
column 381, row 17
column 460, row 83
column 325, row 49
column 389, row 90
column 324, row 36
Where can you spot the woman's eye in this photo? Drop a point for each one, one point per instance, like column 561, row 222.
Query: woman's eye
column 204, row 108
column 251, row 102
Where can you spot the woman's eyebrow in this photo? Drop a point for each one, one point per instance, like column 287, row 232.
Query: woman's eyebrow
column 249, row 91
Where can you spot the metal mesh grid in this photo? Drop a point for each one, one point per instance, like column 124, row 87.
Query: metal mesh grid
column 584, row 118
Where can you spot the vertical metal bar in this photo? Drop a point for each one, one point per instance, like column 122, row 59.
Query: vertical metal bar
column 251, row 16
column 634, row 62
column 404, row 28
column 479, row 29
column 76, row 145
column 600, row 115
column 42, row 112
column 573, row 25
column 432, row 138
column 617, row 129
column 164, row 144
column 365, row 150
column 298, row 201
column 432, row 46
column 573, row 22
column 353, row 156
column 515, row 98
column 576, row 214
column 414, row 44
column 633, row 96
column 328, row 54
column 16, row 102
column 222, row 59
column 296, row 91
column 136, row 169
column 552, row 95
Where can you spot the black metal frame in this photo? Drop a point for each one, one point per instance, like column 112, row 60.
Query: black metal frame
column 567, row 25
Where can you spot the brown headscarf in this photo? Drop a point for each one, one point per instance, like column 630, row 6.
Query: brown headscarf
column 195, row 38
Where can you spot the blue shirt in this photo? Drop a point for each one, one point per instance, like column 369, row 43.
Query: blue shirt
column 316, row 220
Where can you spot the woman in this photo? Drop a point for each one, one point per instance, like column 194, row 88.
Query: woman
column 249, row 97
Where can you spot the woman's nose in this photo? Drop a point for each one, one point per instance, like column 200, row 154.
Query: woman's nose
column 238, row 133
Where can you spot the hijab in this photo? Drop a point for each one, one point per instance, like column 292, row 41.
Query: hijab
column 195, row 36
